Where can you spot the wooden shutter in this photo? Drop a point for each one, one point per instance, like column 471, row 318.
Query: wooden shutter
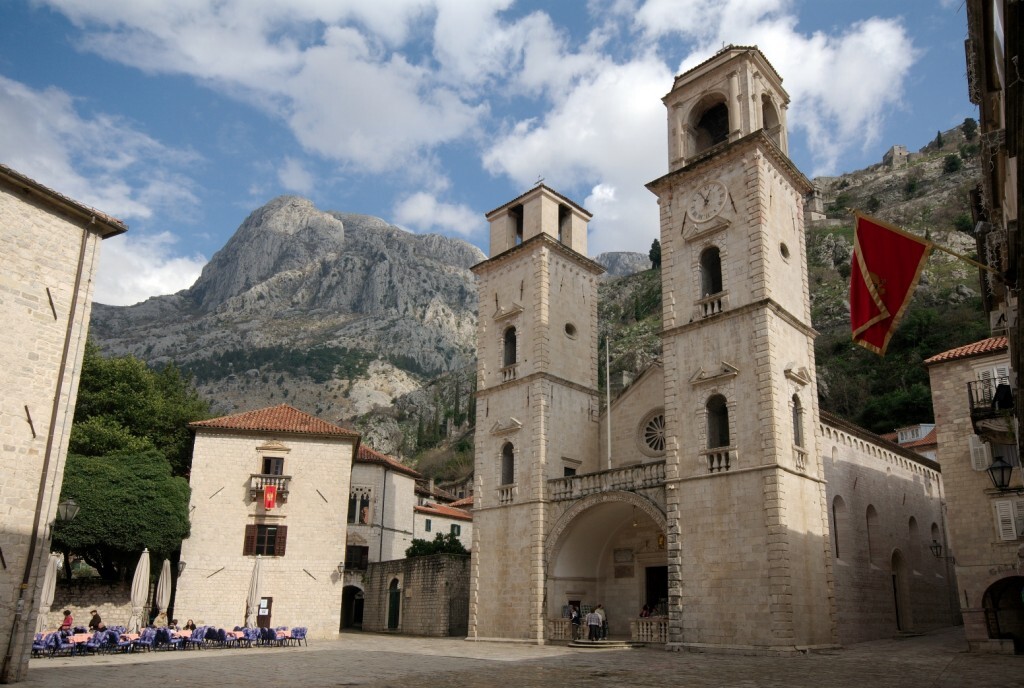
column 249, row 542
column 280, row 541
column 1018, row 515
column 981, row 453
column 1005, row 522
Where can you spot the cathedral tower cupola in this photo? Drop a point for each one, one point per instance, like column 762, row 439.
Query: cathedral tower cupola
column 541, row 210
column 739, row 93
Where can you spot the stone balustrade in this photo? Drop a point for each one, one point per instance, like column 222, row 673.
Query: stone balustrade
column 628, row 478
column 650, row 630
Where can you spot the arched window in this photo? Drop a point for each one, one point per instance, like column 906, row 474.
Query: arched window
column 840, row 526
column 710, row 272
column 798, row 422
column 712, row 128
column 874, row 544
column 770, row 120
column 508, row 464
column 718, row 422
column 509, row 353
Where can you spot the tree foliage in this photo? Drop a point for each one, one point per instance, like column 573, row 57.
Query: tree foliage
column 123, row 406
column 952, row 163
column 655, row 254
column 970, row 128
column 127, row 502
column 441, row 544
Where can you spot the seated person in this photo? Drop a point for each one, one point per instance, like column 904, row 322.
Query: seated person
column 68, row 622
column 96, row 623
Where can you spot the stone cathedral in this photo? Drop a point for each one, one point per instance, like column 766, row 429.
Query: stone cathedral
column 712, row 495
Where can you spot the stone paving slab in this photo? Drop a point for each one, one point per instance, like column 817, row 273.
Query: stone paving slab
column 936, row 660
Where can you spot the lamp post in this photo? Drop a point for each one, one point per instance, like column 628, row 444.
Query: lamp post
column 341, row 568
column 67, row 510
column 1000, row 472
column 936, row 548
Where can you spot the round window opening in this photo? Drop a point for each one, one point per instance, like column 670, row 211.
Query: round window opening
column 784, row 250
column 652, row 434
column 570, row 330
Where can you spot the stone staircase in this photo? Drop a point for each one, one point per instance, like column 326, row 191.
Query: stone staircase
column 604, row 644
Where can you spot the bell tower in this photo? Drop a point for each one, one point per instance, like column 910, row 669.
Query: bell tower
column 537, row 402
column 749, row 563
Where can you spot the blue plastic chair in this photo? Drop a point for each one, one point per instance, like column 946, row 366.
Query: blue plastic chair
column 299, row 635
column 145, row 640
column 39, row 645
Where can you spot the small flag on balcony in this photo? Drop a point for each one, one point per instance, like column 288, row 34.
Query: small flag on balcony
column 269, row 496
column 886, row 266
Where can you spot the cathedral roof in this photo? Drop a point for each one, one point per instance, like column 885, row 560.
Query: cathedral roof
column 282, row 418
column 736, row 50
column 532, row 190
column 985, row 346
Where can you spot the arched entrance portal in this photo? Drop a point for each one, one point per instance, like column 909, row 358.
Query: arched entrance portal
column 394, row 605
column 1004, row 611
column 351, row 608
column 608, row 550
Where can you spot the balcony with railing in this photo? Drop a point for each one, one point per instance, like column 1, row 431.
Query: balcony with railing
column 712, row 304
column 635, row 477
column 719, row 460
column 993, row 408
column 508, row 373
column 257, row 481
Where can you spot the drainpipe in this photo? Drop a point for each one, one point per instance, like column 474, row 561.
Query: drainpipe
column 5, row 668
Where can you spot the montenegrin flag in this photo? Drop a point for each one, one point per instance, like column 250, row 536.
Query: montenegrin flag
column 886, row 265
column 269, row 496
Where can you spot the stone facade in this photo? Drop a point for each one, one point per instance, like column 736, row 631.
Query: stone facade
column 984, row 541
column 418, row 596
column 233, row 457
column 431, row 519
column 389, row 529
column 713, row 504
column 51, row 247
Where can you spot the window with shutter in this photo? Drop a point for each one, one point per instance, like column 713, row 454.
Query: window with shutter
column 1006, row 526
column 249, row 542
column 282, row 537
column 981, row 453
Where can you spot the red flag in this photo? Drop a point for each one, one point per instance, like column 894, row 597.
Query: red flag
column 269, row 496
column 886, row 265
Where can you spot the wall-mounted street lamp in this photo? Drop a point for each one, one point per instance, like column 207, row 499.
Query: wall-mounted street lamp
column 341, row 568
column 1000, row 472
column 936, row 548
column 67, row 510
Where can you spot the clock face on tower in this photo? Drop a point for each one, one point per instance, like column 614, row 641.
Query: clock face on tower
column 707, row 201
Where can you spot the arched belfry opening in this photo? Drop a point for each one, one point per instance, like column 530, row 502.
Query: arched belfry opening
column 770, row 120
column 710, row 126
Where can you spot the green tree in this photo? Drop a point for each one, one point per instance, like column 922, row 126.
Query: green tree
column 952, row 163
column 874, row 204
column 441, row 544
column 938, row 139
column 655, row 254
column 970, row 128
column 128, row 502
column 123, row 406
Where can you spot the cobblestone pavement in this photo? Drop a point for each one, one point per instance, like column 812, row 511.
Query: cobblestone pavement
column 936, row 660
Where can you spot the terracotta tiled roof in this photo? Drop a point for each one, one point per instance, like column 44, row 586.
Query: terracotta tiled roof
column 435, row 492
column 111, row 226
column 465, row 502
column 367, row 455
column 985, row 346
column 928, row 440
column 282, row 418
column 445, row 510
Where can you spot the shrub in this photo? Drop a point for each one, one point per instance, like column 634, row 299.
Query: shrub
column 952, row 163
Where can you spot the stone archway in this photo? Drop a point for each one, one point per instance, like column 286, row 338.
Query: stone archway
column 351, row 608
column 1004, row 611
column 607, row 548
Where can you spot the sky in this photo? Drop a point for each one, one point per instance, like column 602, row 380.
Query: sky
column 180, row 117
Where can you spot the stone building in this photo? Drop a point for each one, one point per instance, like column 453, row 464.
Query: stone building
column 973, row 412
column 418, row 596
column 431, row 519
column 270, row 485
column 714, row 501
column 382, row 497
column 50, row 250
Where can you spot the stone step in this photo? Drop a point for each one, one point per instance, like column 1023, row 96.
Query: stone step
column 604, row 644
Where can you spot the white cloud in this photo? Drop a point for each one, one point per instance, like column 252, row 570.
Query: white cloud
column 295, row 177
column 102, row 162
column 424, row 213
column 135, row 267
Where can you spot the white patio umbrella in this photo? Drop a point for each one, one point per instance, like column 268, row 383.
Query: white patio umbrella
column 46, row 593
column 140, row 592
column 252, row 602
column 163, row 592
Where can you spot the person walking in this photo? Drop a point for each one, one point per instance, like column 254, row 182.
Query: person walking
column 575, row 616
column 604, row 621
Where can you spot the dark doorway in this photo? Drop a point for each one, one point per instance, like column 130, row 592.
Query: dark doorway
column 263, row 613
column 352, row 608
column 1004, row 611
column 394, row 605
column 656, row 589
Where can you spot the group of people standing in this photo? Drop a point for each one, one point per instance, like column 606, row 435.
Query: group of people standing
column 596, row 621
